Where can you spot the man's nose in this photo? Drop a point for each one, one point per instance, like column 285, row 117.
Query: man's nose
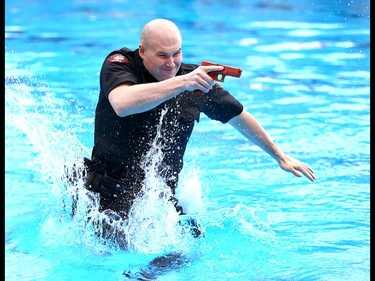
column 169, row 61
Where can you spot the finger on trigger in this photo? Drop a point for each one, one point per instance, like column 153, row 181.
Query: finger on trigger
column 211, row 68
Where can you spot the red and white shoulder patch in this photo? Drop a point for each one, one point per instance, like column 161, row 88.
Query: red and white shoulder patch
column 118, row 58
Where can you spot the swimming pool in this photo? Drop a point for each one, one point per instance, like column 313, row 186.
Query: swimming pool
column 305, row 77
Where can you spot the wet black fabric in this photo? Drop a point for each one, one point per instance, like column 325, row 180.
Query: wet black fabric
column 121, row 143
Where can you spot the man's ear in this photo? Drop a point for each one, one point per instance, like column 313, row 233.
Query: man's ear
column 141, row 51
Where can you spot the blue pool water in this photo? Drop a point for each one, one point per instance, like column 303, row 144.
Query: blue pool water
column 305, row 77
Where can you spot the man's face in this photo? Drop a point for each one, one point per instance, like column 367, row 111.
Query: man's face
column 162, row 56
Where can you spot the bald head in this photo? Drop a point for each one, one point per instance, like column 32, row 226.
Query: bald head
column 158, row 29
column 161, row 48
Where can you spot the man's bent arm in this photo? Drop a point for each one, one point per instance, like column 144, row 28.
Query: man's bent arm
column 248, row 126
column 127, row 98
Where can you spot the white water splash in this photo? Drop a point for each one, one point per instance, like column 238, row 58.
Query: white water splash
column 189, row 193
column 56, row 155
column 153, row 222
column 153, row 225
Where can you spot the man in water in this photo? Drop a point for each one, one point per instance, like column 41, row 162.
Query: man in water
column 147, row 93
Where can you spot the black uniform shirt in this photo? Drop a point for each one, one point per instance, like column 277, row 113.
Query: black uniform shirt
column 121, row 143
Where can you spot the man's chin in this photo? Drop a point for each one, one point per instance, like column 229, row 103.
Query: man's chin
column 170, row 73
column 167, row 76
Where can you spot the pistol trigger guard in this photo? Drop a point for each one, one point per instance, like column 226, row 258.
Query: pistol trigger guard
column 221, row 77
column 217, row 76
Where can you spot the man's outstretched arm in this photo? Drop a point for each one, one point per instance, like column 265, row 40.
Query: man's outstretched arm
column 248, row 126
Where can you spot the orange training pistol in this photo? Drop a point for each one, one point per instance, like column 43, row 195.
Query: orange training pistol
column 228, row 70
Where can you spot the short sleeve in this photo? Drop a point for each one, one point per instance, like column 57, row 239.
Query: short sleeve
column 220, row 105
column 116, row 69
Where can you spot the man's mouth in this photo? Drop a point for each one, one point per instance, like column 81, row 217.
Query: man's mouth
column 168, row 69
